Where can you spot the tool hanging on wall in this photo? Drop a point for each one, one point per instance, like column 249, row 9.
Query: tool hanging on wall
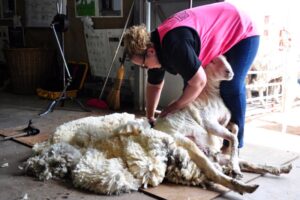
column 99, row 103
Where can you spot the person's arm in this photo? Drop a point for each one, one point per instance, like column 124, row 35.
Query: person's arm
column 152, row 99
column 191, row 92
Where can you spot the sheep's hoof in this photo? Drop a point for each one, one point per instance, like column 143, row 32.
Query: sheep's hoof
column 237, row 174
column 251, row 188
column 243, row 188
column 234, row 172
column 286, row 169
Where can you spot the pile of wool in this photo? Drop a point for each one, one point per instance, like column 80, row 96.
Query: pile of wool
column 112, row 154
column 52, row 160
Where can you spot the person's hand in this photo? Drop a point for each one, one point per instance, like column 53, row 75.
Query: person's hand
column 173, row 107
column 151, row 121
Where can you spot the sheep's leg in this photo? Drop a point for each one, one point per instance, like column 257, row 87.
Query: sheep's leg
column 193, row 137
column 261, row 97
column 218, row 130
column 211, row 172
column 257, row 168
column 234, row 129
column 263, row 169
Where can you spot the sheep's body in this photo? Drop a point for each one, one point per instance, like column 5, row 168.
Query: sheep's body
column 266, row 79
column 119, row 153
column 205, row 120
column 193, row 120
column 118, row 160
column 131, row 156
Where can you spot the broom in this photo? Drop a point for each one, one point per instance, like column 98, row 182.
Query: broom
column 113, row 97
column 98, row 103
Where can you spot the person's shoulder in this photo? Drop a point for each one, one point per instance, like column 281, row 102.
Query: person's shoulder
column 181, row 30
column 154, row 36
column 180, row 34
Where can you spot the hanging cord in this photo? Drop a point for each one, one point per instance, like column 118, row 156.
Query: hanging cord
column 116, row 52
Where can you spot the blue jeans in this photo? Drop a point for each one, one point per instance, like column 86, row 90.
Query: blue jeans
column 233, row 92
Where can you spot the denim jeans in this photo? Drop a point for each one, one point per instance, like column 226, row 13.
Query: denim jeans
column 233, row 92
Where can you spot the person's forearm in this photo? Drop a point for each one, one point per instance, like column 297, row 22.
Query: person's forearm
column 193, row 89
column 191, row 92
column 152, row 98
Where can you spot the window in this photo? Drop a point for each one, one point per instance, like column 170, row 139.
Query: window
column 99, row 8
column 7, row 9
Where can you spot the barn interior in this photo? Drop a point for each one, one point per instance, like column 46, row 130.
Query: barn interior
column 36, row 68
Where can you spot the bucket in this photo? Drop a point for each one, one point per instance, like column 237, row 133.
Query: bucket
column 28, row 68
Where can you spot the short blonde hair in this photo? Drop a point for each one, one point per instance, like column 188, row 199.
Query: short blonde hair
column 136, row 40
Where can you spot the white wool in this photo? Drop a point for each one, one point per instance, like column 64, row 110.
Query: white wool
column 90, row 129
column 122, row 154
column 146, row 156
column 53, row 161
column 193, row 120
column 96, row 173
column 119, row 156
column 38, row 148
column 186, row 172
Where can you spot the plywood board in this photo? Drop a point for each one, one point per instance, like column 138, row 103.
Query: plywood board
column 177, row 192
column 253, row 153
column 46, row 125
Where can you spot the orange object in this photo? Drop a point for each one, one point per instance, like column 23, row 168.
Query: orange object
column 114, row 96
column 113, row 99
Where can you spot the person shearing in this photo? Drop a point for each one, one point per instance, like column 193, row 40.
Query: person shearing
column 184, row 44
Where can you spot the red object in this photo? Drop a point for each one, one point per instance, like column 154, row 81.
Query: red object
column 97, row 103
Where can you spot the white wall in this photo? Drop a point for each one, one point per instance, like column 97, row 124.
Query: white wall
column 173, row 84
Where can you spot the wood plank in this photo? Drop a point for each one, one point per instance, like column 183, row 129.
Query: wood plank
column 253, row 153
column 46, row 125
column 178, row 192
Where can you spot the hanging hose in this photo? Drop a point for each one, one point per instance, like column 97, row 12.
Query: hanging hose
column 98, row 103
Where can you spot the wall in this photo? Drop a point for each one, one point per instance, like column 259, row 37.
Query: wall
column 75, row 48
column 75, row 41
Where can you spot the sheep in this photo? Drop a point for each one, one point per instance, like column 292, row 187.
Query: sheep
column 206, row 121
column 266, row 79
column 129, row 154
column 207, row 117
column 119, row 153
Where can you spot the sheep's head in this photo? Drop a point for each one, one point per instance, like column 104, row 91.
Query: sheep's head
column 219, row 69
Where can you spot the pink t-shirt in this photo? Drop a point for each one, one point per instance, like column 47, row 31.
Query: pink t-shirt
column 220, row 26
